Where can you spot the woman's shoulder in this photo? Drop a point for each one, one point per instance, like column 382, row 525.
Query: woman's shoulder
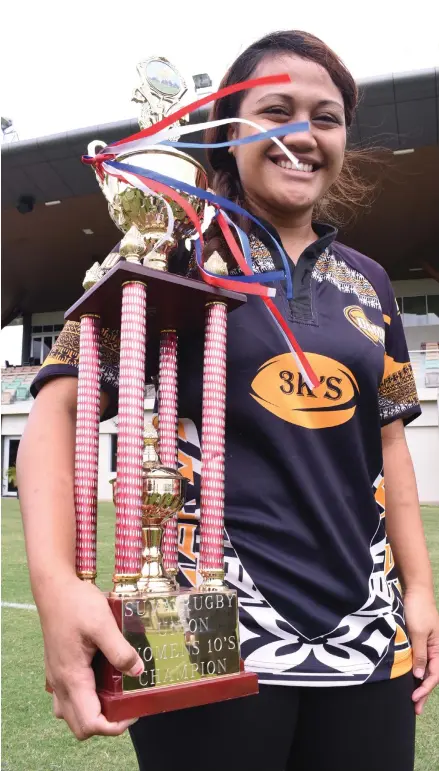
column 368, row 267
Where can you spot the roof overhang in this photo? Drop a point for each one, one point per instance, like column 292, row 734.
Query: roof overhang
column 46, row 252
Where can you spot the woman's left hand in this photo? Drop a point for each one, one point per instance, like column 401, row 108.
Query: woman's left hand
column 422, row 620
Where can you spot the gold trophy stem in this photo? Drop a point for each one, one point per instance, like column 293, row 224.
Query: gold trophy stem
column 154, row 577
column 213, row 580
column 124, row 585
column 88, row 577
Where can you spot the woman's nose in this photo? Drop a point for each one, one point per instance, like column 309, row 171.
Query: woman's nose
column 300, row 141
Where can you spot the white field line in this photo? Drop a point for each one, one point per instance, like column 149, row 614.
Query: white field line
column 18, row 606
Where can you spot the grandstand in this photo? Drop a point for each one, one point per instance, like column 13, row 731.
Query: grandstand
column 16, row 382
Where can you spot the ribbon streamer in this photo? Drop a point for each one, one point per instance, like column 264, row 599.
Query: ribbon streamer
column 151, row 182
column 218, row 201
column 159, row 139
column 269, row 80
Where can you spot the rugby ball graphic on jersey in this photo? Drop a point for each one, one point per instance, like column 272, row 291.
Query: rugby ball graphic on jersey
column 281, row 389
column 359, row 320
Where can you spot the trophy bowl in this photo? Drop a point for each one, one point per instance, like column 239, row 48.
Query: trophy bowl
column 143, row 217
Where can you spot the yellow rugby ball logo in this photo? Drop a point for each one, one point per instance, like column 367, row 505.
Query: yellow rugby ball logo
column 358, row 318
column 281, row 389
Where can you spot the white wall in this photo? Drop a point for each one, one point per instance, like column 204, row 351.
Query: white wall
column 52, row 317
column 422, row 438
column 423, row 442
column 105, row 490
column 13, row 422
column 13, row 425
column 417, row 335
column 415, row 287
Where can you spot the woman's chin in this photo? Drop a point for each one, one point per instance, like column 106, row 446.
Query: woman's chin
column 292, row 203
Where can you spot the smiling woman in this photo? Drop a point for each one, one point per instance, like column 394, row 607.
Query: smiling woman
column 316, row 550
column 323, row 92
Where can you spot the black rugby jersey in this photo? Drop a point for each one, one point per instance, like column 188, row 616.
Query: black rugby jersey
column 305, row 540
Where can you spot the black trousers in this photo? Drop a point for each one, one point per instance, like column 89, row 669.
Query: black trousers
column 367, row 727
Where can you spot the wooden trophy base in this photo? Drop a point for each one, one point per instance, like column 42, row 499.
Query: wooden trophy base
column 124, row 706
column 187, row 663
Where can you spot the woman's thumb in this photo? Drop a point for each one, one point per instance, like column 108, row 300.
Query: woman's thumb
column 419, row 646
column 118, row 651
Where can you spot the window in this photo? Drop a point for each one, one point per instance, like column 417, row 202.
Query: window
column 433, row 308
column 415, row 311
column 43, row 338
column 113, row 453
column 419, row 310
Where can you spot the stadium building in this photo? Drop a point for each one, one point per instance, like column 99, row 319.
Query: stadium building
column 56, row 224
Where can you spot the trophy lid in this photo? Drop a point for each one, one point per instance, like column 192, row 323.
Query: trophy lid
column 161, row 76
column 161, row 89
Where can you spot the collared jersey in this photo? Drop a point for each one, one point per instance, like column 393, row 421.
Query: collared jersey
column 305, row 539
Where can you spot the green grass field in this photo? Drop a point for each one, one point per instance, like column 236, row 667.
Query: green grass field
column 33, row 740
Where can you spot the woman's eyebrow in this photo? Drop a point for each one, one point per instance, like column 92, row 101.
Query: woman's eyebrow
column 330, row 103
column 285, row 97
column 290, row 98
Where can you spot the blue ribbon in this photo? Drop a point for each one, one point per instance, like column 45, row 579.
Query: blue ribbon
column 216, row 200
column 245, row 243
column 289, row 128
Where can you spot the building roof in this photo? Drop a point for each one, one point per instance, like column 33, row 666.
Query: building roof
column 46, row 252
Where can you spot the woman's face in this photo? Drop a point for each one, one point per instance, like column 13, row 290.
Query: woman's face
column 272, row 185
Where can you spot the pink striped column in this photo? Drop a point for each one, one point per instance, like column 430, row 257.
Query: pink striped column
column 211, row 565
column 130, row 438
column 87, row 447
column 168, row 433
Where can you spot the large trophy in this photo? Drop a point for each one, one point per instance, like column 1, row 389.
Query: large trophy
column 187, row 638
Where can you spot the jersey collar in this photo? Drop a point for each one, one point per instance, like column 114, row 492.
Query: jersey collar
column 326, row 234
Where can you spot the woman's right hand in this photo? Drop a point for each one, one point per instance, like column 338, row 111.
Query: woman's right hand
column 76, row 620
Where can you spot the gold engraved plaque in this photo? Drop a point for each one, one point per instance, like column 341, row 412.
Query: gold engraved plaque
column 182, row 636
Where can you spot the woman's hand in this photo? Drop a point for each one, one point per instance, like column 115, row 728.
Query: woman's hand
column 76, row 620
column 423, row 627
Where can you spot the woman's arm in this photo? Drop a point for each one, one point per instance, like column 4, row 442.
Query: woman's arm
column 406, row 535
column 75, row 616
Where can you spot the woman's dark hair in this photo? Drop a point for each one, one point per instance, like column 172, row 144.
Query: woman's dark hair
column 349, row 190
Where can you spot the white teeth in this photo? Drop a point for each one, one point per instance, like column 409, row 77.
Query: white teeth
column 288, row 165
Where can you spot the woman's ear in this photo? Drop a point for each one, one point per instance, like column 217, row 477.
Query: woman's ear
column 231, row 133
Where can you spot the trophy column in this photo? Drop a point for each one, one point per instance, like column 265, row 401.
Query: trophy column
column 211, row 564
column 130, row 439
column 168, row 433
column 87, row 447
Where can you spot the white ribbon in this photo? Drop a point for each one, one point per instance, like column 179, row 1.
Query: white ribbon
column 154, row 140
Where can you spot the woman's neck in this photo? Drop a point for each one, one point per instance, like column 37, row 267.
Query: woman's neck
column 295, row 232
column 296, row 238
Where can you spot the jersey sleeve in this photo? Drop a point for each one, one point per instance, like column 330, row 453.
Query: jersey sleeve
column 63, row 359
column 397, row 395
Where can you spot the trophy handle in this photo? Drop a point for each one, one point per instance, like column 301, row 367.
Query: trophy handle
column 97, row 143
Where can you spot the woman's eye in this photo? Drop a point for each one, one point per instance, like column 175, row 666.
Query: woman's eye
column 276, row 111
column 325, row 118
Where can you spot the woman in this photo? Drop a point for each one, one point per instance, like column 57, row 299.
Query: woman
column 306, row 546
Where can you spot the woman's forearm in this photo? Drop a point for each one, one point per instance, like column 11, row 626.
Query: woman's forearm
column 403, row 518
column 45, row 471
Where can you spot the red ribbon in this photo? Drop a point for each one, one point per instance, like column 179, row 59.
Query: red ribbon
column 268, row 80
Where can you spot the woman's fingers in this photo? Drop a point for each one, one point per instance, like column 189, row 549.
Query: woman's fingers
column 421, row 693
